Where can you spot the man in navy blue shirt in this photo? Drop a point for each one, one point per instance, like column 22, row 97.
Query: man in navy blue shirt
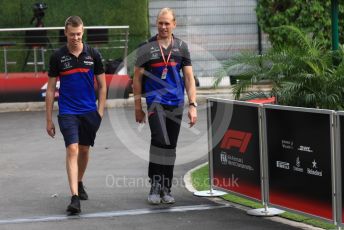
column 77, row 65
column 157, row 74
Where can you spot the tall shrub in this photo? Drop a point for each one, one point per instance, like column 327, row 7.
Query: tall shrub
column 301, row 74
column 311, row 16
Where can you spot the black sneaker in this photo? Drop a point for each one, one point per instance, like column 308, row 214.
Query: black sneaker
column 74, row 206
column 81, row 190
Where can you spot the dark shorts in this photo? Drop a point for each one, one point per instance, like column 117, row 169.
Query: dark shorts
column 81, row 128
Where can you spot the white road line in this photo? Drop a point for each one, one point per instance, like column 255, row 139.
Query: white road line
column 133, row 212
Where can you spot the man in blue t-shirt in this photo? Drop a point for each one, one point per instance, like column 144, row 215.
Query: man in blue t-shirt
column 157, row 74
column 77, row 65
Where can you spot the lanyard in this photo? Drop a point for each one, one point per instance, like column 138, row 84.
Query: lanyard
column 169, row 55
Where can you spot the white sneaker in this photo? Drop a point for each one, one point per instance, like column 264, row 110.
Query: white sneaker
column 166, row 196
column 154, row 194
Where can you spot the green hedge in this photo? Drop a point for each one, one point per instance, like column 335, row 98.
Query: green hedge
column 311, row 16
column 18, row 14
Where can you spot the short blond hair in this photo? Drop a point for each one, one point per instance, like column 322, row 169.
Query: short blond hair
column 74, row 21
column 165, row 11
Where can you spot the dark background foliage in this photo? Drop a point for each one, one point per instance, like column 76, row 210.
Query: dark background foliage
column 311, row 16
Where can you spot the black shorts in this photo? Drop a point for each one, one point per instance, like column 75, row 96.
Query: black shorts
column 80, row 128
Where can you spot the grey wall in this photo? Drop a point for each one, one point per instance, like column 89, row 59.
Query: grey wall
column 215, row 30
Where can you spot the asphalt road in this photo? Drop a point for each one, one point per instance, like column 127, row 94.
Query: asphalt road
column 34, row 191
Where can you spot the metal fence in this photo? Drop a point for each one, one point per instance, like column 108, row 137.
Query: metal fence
column 285, row 157
column 28, row 49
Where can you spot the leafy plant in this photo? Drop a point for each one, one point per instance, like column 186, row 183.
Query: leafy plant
column 300, row 74
column 312, row 16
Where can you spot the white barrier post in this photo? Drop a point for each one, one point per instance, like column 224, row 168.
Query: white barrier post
column 211, row 192
column 266, row 211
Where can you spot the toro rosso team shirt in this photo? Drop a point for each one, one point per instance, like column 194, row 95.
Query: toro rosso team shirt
column 159, row 87
column 76, row 93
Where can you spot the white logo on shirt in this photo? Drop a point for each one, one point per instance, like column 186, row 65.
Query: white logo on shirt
column 65, row 58
column 88, row 62
column 66, row 65
column 154, row 56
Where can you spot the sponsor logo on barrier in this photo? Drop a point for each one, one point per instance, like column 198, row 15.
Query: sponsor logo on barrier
column 314, row 171
column 314, row 164
column 227, row 159
column 305, row 149
column 297, row 166
column 282, row 164
column 298, row 162
column 287, row 144
column 238, row 139
column 223, row 157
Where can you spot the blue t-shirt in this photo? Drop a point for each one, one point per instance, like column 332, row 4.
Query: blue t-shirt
column 168, row 91
column 76, row 93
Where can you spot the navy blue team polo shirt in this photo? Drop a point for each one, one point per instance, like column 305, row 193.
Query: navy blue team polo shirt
column 169, row 91
column 76, row 94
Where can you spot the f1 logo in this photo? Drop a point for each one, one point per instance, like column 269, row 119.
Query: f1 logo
column 238, row 139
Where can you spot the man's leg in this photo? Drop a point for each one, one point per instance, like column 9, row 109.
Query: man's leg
column 72, row 171
column 82, row 165
column 159, row 138
column 89, row 125
column 69, row 126
column 72, row 167
column 173, row 122
column 82, row 160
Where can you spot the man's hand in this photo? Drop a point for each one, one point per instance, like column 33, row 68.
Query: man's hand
column 140, row 116
column 51, row 129
column 101, row 113
column 192, row 114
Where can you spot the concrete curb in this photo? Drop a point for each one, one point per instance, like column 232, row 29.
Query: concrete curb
column 110, row 103
column 188, row 179
column 188, row 185
column 202, row 95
